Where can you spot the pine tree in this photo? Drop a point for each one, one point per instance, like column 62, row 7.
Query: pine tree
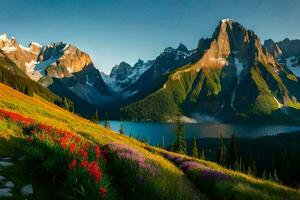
column 95, row 117
column 180, row 144
column 276, row 179
column 253, row 165
column 121, row 131
column 195, row 148
column 222, row 152
column 233, row 152
column 106, row 122
column 202, row 155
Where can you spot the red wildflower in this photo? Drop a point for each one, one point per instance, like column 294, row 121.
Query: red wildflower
column 73, row 147
column 73, row 164
column 102, row 191
column 84, row 163
column 82, row 152
column 30, row 139
column 95, row 171
column 98, row 151
column 63, row 142
column 41, row 137
column 15, row 117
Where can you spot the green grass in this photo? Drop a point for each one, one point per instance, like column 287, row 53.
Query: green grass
column 21, row 173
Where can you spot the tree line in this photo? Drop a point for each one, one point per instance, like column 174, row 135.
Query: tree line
column 30, row 87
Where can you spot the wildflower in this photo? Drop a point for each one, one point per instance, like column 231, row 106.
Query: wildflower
column 98, row 151
column 63, row 142
column 83, row 153
column 73, row 147
column 30, row 139
column 73, row 164
column 102, row 191
column 84, row 163
column 41, row 137
column 95, row 171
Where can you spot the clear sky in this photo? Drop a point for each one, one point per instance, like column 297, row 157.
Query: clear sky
column 115, row 30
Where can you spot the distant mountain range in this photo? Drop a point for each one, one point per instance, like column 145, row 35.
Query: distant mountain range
column 231, row 76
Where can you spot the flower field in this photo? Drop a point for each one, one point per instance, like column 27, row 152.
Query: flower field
column 82, row 164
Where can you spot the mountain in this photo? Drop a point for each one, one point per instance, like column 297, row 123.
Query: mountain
column 287, row 53
column 132, row 83
column 13, row 76
column 123, row 75
column 231, row 76
column 60, row 60
column 166, row 62
column 61, row 67
column 24, row 57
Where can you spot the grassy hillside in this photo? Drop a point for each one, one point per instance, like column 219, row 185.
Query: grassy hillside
column 131, row 170
column 12, row 76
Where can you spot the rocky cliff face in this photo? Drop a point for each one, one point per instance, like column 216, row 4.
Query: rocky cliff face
column 24, row 57
column 124, row 75
column 287, row 53
column 61, row 60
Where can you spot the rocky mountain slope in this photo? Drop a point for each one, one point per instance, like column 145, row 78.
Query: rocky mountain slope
column 24, row 57
column 123, row 75
column 233, row 77
column 124, row 78
column 61, row 67
column 287, row 53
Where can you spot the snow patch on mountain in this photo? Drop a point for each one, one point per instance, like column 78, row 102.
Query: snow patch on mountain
column 110, row 82
column 291, row 64
column 226, row 20
column 41, row 66
column 129, row 93
column 35, row 44
column 88, row 82
column 239, row 67
column 117, row 85
column 8, row 49
column 25, row 48
column 30, row 65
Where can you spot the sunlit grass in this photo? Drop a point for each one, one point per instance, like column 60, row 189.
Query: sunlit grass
column 239, row 186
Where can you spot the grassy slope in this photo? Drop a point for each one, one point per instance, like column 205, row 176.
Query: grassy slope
column 47, row 113
column 50, row 114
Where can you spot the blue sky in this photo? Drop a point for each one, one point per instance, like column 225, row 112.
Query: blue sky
column 115, row 30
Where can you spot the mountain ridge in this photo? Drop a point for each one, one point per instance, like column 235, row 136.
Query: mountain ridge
column 231, row 75
column 215, row 83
